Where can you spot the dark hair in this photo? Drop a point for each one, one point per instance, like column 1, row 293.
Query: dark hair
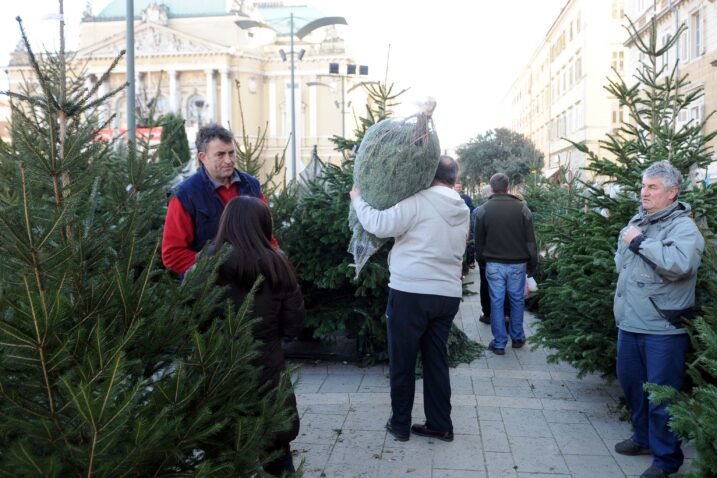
column 447, row 170
column 210, row 132
column 499, row 183
column 246, row 225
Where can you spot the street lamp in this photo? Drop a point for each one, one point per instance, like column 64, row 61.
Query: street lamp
column 300, row 34
column 343, row 104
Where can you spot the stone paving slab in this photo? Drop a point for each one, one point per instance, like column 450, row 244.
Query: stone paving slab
column 515, row 416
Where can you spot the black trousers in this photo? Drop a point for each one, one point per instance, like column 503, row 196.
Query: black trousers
column 420, row 321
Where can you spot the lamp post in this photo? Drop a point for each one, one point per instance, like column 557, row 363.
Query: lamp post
column 131, row 121
column 300, row 34
column 344, row 92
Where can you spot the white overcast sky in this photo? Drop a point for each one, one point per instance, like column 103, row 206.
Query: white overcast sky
column 465, row 53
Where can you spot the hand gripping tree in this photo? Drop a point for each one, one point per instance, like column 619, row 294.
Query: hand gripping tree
column 108, row 366
column 576, row 300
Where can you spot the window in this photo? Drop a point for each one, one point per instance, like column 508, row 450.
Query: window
column 571, row 31
column 160, row 105
column 578, row 116
column 578, row 69
column 618, row 60
column 665, row 59
column 577, row 23
column 618, row 114
column 196, row 111
column 684, row 42
column 617, row 10
column 696, row 36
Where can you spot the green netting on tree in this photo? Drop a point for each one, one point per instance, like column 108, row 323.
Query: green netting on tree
column 396, row 159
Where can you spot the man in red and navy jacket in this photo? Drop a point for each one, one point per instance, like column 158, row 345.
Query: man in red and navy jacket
column 197, row 203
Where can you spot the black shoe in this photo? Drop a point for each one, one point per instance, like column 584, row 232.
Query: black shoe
column 424, row 431
column 496, row 350
column 631, row 448
column 654, row 472
column 516, row 344
column 484, row 319
column 396, row 435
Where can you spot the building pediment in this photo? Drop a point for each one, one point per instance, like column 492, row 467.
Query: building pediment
column 151, row 39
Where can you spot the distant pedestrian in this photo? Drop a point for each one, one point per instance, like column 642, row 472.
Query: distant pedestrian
column 658, row 255
column 505, row 240
column 469, row 258
column 430, row 230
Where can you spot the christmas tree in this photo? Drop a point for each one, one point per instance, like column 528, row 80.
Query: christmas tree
column 315, row 233
column 576, row 300
column 109, row 366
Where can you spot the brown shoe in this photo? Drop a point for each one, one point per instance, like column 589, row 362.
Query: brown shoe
column 424, row 431
column 484, row 319
column 516, row 344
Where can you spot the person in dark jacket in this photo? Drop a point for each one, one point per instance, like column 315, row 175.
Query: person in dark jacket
column 197, row 202
column 505, row 240
column 469, row 258
column 246, row 226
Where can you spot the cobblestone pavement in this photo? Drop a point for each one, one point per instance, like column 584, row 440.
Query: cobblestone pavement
column 514, row 416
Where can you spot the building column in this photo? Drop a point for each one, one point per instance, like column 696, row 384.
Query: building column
column 211, row 100
column 272, row 107
column 173, row 104
column 104, row 108
column 313, row 108
column 226, row 98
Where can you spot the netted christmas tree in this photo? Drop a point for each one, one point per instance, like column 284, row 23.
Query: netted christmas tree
column 313, row 228
column 576, row 300
column 108, row 366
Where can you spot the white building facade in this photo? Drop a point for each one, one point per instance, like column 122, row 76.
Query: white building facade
column 560, row 95
column 695, row 53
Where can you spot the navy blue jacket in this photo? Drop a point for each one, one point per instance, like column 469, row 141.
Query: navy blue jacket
column 201, row 201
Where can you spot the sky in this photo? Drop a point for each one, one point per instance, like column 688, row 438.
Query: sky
column 464, row 53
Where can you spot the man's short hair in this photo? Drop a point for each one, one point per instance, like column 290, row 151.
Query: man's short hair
column 499, row 183
column 447, row 170
column 665, row 172
column 210, row 132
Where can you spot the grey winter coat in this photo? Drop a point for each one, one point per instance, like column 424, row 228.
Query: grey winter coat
column 658, row 271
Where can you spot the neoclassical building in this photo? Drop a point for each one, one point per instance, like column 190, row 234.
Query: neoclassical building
column 193, row 58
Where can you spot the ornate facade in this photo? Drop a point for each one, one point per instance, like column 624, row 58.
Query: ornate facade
column 192, row 58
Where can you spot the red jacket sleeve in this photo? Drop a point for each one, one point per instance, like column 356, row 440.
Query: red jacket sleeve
column 177, row 238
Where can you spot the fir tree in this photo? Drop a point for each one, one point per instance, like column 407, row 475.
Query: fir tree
column 174, row 146
column 314, row 231
column 109, row 366
column 576, row 300
column 249, row 156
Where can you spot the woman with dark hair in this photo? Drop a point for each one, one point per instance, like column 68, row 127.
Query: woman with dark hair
column 247, row 227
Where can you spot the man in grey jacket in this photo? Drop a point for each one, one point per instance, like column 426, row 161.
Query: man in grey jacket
column 657, row 258
column 430, row 230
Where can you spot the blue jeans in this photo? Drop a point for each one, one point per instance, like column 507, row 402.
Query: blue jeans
column 504, row 278
column 659, row 359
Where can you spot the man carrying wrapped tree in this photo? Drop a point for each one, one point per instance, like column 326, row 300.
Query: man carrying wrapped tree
column 430, row 230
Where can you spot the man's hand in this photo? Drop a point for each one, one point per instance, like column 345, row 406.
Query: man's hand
column 355, row 193
column 631, row 233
